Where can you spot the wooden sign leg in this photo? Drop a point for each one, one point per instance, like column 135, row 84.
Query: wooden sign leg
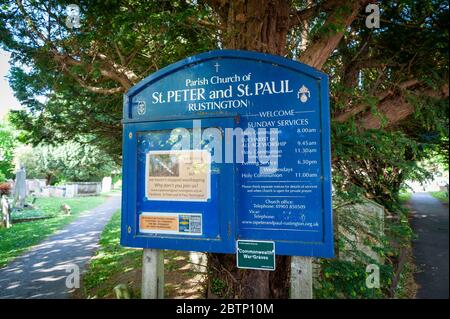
column 152, row 274
column 301, row 278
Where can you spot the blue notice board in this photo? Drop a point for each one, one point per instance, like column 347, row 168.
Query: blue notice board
column 225, row 146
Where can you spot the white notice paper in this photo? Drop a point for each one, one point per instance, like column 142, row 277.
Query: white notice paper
column 180, row 175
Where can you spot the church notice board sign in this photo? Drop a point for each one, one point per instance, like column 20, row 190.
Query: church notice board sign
column 228, row 146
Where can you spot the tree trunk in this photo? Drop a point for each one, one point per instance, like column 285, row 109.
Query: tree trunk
column 257, row 25
column 5, row 216
column 263, row 25
column 48, row 179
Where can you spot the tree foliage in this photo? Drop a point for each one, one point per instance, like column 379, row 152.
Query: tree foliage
column 7, row 144
column 69, row 162
column 381, row 78
column 83, row 72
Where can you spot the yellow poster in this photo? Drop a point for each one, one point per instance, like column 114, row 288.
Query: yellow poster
column 158, row 222
column 171, row 223
column 178, row 175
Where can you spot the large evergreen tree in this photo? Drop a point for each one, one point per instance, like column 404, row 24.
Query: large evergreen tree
column 69, row 162
column 7, row 144
column 389, row 85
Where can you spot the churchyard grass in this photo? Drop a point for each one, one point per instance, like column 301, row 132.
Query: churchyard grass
column 441, row 195
column 113, row 265
column 15, row 240
column 405, row 197
column 110, row 260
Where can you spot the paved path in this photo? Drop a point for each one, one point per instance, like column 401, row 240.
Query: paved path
column 41, row 272
column 430, row 222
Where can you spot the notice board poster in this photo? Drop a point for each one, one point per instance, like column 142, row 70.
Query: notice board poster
column 178, row 175
column 171, row 223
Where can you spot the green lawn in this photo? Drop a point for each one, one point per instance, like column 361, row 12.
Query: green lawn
column 20, row 236
column 110, row 260
column 442, row 196
column 404, row 196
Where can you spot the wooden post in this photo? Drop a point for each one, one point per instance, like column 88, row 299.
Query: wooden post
column 152, row 274
column 160, row 273
column 301, row 278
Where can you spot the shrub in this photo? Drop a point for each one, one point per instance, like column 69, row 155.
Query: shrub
column 5, row 189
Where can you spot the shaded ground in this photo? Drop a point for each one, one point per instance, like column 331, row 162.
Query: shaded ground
column 430, row 223
column 21, row 236
column 41, row 272
column 184, row 275
column 182, row 279
column 114, row 264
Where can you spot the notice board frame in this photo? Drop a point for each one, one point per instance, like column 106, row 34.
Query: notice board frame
column 133, row 123
column 132, row 237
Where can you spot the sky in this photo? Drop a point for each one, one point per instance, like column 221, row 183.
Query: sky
column 7, row 99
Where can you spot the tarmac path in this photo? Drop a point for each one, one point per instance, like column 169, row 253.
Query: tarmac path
column 430, row 249
column 42, row 271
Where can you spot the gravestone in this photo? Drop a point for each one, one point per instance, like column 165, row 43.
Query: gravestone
column 34, row 186
column 367, row 226
column 20, row 188
column 71, row 190
column 58, row 191
column 45, row 191
column 88, row 188
column 6, row 213
column 106, row 184
column 53, row 191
